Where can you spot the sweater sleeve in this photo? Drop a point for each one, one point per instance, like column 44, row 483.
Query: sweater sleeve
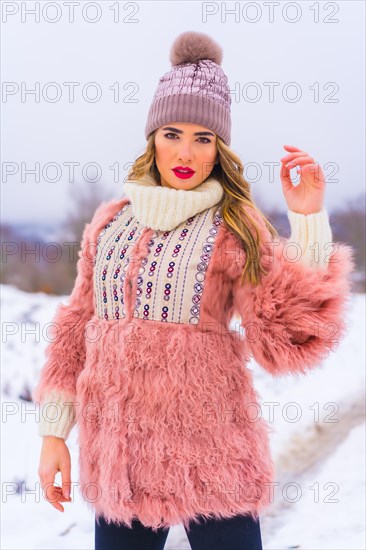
column 296, row 315
column 65, row 352
column 312, row 235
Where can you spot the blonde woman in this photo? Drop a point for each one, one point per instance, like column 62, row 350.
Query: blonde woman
column 144, row 359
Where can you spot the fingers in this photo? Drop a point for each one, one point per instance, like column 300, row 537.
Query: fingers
column 287, row 184
column 300, row 161
column 66, row 479
column 55, row 497
column 52, row 493
column 293, row 149
column 295, row 158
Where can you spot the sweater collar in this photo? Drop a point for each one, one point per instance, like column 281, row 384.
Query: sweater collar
column 164, row 208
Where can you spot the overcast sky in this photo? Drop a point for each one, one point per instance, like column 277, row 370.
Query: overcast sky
column 314, row 50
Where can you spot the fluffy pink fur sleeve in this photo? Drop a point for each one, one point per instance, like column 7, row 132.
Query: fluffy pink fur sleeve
column 65, row 352
column 296, row 315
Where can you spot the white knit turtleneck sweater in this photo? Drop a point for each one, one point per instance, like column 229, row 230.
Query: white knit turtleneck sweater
column 163, row 208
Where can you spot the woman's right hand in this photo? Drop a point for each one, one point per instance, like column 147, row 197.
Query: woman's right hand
column 55, row 457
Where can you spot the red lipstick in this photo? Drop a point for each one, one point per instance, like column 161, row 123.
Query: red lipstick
column 183, row 172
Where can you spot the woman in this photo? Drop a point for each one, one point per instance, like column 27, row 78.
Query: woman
column 143, row 357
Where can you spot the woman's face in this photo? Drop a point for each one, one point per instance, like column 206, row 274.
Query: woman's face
column 184, row 145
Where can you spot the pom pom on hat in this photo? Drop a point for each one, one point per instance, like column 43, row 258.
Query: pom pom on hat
column 191, row 46
column 191, row 91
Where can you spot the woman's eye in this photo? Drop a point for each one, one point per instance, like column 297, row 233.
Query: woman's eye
column 172, row 134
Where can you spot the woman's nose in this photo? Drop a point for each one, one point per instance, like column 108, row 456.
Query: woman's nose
column 185, row 154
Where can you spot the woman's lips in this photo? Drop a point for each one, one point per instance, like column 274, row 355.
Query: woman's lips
column 183, row 175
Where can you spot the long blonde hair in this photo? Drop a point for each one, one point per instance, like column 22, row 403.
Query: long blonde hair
column 237, row 196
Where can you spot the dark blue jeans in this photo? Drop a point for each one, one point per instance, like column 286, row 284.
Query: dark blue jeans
column 236, row 533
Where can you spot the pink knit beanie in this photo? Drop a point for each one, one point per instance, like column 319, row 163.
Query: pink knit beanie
column 195, row 90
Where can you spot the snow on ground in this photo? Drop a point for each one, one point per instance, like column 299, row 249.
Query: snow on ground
column 318, row 443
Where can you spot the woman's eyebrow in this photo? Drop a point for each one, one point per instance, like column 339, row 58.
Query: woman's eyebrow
column 181, row 131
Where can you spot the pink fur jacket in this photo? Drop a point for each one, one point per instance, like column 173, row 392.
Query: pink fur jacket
column 144, row 362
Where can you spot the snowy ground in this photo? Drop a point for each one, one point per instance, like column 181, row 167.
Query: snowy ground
column 318, row 443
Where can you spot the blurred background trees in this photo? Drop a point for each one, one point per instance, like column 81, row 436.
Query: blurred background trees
column 35, row 259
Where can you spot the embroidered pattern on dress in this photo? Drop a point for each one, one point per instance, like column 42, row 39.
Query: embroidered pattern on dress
column 171, row 277
column 115, row 244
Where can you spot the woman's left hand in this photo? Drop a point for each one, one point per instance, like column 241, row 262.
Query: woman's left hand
column 307, row 196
